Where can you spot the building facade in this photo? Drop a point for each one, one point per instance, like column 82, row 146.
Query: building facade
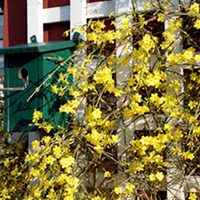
column 48, row 19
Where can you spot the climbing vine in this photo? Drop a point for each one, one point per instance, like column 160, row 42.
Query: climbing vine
column 134, row 128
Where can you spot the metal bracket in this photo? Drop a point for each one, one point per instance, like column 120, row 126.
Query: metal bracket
column 12, row 89
column 76, row 37
column 33, row 39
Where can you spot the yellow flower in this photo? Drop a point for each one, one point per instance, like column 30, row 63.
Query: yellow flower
column 129, row 188
column 107, row 174
column 193, row 76
column 192, row 104
column 92, row 37
column 194, row 8
column 117, row 92
column 152, row 177
column 103, row 76
column 66, row 162
column 188, row 155
column 51, row 194
column 100, row 25
column 115, row 138
column 175, row 84
column 35, row 144
column 6, row 163
column 146, row 6
column 57, row 152
column 54, row 89
column 50, row 160
column 36, row 116
column 35, row 172
column 176, row 151
column 46, row 139
column 177, row 134
column 161, row 17
column 197, row 24
column 66, row 108
column 37, row 193
column 66, row 33
column 192, row 196
column 197, row 58
column 168, row 127
column 118, row 190
column 159, row 176
column 96, row 113
column 98, row 148
column 47, row 128
column 4, row 194
column 29, row 198
column 125, row 20
column 111, row 14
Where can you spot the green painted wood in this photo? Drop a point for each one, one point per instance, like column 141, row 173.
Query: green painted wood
column 19, row 112
column 38, row 47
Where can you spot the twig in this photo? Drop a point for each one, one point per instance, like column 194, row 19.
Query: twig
column 183, row 183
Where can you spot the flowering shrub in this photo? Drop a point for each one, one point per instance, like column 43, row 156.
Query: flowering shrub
column 134, row 128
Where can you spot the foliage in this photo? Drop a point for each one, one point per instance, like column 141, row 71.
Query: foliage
column 134, row 127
